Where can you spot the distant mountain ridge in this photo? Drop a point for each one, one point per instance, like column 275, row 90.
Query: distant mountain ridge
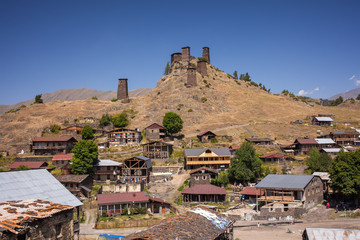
column 75, row 94
column 346, row 95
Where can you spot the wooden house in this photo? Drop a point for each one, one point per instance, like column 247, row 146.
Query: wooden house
column 206, row 136
column 136, row 169
column 345, row 138
column 216, row 158
column 157, row 150
column 155, row 132
column 72, row 131
column 275, row 157
column 202, row 175
column 260, row 141
column 302, row 146
column 325, row 143
column 61, row 159
column 116, row 203
column 123, row 136
column 52, row 145
column 79, row 185
column 251, row 194
column 203, row 193
column 322, row 121
column 107, row 170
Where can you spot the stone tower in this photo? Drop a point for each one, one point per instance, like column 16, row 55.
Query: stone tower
column 122, row 92
column 175, row 57
column 185, row 54
column 201, row 67
column 191, row 77
column 206, row 54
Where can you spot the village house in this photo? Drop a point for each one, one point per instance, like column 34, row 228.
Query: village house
column 202, row 175
column 322, row 121
column 260, row 141
column 197, row 223
column 345, row 138
column 203, row 193
column 302, row 146
column 216, row 158
column 275, row 157
column 155, row 132
column 79, row 185
column 35, row 219
column 74, row 131
column 136, row 169
column 123, row 136
column 61, row 159
column 30, row 165
column 325, row 143
column 107, row 170
column 52, row 145
column 157, row 150
column 332, row 152
column 233, row 149
column 251, row 194
column 206, row 136
column 326, row 180
column 289, row 195
column 116, row 203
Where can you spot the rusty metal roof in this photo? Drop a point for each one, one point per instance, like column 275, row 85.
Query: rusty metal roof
column 306, row 141
column 155, row 126
column 204, row 189
column 54, row 139
column 14, row 214
column 332, row 234
column 29, row 164
column 198, row 223
column 203, row 133
column 63, row 157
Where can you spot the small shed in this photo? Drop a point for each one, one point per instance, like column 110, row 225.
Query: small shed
column 206, row 136
column 321, row 121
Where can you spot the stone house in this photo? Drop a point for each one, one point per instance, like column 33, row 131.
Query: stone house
column 107, row 170
column 136, row 169
column 289, row 195
column 123, row 136
column 202, row 175
column 206, row 136
column 155, row 132
column 35, row 219
column 157, row 150
column 61, row 159
column 74, row 131
column 115, row 203
column 203, row 193
column 260, row 141
column 216, row 158
column 52, row 145
column 79, row 185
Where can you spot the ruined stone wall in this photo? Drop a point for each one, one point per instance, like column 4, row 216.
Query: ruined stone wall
column 122, row 93
column 172, row 169
column 191, row 77
column 206, row 54
column 185, row 54
column 201, row 67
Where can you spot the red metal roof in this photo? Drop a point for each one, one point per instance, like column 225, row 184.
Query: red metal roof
column 253, row 191
column 204, row 189
column 155, row 126
column 122, row 197
column 306, row 141
column 32, row 165
column 63, row 157
column 53, row 139
column 234, row 147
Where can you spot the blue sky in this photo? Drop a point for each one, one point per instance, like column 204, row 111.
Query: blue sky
column 307, row 47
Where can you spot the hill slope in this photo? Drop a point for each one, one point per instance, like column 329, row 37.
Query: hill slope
column 346, row 95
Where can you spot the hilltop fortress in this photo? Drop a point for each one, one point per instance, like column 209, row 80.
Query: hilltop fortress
column 181, row 63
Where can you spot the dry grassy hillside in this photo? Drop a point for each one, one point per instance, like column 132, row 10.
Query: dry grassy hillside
column 218, row 103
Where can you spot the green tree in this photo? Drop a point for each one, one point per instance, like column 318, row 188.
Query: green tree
column 345, row 174
column 235, row 74
column 38, row 99
column 85, row 157
column 87, row 132
column 318, row 162
column 172, row 123
column 120, row 120
column 337, row 101
column 105, row 120
column 358, row 97
column 167, row 69
column 246, row 166
column 222, row 180
column 241, row 76
column 21, row 167
column 247, row 77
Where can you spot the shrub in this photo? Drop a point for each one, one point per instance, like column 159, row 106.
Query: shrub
column 190, row 110
column 54, row 128
column 94, row 98
column 38, row 99
column 203, row 99
column 23, row 106
column 214, row 140
column 114, row 99
column 141, row 210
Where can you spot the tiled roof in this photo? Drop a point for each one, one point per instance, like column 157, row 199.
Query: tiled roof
column 204, row 189
column 253, row 191
column 194, row 152
column 158, row 200
column 54, row 139
column 281, row 181
column 234, row 147
column 30, row 164
column 306, row 141
column 71, row 178
column 63, row 157
column 196, row 224
column 202, row 134
column 122, row 197
column 155, row 126
column 15, row 214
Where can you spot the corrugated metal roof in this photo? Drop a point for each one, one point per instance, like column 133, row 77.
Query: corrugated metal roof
column 63, row 157
column 332, row 234
column 306, row 141
column 324, row 119
column 34, row 184
column 324, row 141
column 282, row 181
column 194, row 152
column 333, row 150
column 106, row 162
column 146, row 159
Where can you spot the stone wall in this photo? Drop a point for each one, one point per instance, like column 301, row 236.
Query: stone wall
column 191, row 77
column 201, row 67
column 281, row 212
column 121, row 188
column 33, row 159
column 199, row 178
column 163, row 169
column 313, row 193
column 122, row 92
column 176, row 57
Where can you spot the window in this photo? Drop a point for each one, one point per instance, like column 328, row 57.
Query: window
column 204, row 177
column 196, row 177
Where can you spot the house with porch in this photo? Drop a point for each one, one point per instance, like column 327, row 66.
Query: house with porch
column 216, row 158
column 155, row 132
column 136, row 169
column 206, row 136
column 289, row 195
column 107, row 170
column 116, row 203
column 158, row 150
column 123, row 136
column 203, row 193
column 52, row 145
column 345, row 138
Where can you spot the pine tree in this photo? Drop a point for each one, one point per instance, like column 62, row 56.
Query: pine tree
column 235, row 74
column 167, row 69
